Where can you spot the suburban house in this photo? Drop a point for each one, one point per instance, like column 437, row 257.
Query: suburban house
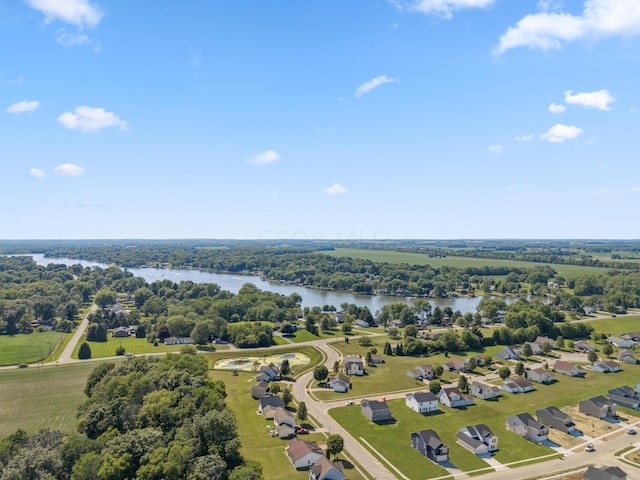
column 303, row 454
column 526, row 426
column 422, row 402
column 567, row 368
column 361, row 323
column 620, row 342
column 517, row 385
column 260, row 389
column 339, row 383
column 555, row 418
column 324, row 469
column 510, row 352
column 422, row 372
column 376, row 359
column 268, row 373
column 451, row 397
column 584, row 347
column 478, row 439
column 375, row 411
column 536, row 348
column 625, row 396
column 635, row 336
column 606, row 366
column 267, row 406
column 354, row 366
column 428, row 443
column 604, row 473
column 178, row 341
column 455, row 365
column 484, row 391
column 540, row 375
column 542, row 340
column 599, row 407
column 121, row 332
column 285, row 423
column 626, row 356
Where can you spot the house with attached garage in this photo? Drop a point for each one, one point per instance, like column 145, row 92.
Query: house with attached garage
column 354, row 366
column 625, row 396
column 484, row 390
column 540, row 375
column 525, row 425
column 284, row 422
column 553, row 417
column 584, row 347
column 606, row 366
column 375, row 410
column 626, row 356
column 324, row 469
column 599, row 407
column 422, row 372
column 567, row 368
column 510, row 352
column 517, row 385
column 339, row 383
column 267, row 406
column 422, row 402
column 604, row 473
column 536, row 348
column 429, row 444
column 451, row 397
column 478, row 439
column 260, row 389
column 303, row 454
column 620, row 342
column 455, row 365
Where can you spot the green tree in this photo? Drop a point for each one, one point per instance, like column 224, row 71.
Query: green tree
column 285, row 368
column 519, row 370
column 287, row 397
column 546, row 347
column 275, row 388
column 201, row 333
column 84, row 352
column 249, row 471
column 607, row 349
column 411, row 331
column 336, row 366
column 302, row 413
column 320, row 373
column 463, row 384
column 472, row 364
column 504, row 372
column 435, row 386
column 105, row 297
column 592, row 356
column 335, row 444
column 120, row 350
column 559, row 343
column 526, row 350
column 438, row 370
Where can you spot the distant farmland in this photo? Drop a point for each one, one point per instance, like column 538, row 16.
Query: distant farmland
column 567, row 271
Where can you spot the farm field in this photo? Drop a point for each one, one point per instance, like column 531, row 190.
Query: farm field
column 48, row 397
column 567, row 271
column 29, row 348
column 257, row 444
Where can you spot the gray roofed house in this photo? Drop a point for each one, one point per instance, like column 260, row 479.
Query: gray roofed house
column 324, row 469
column 375, row 410
column 267, row 405
column 429, row 444
column 604, row 473
column 525, row 425
column 510, row 352
column 583, row 346
column 599, row 407
column 451, row 397
column 517, row 385
column 555, row 418
column 484, row 390
column 540, row 375
column 567, row 368
column 422, row 402
column 354, row 366
column 606, row 366
column 422, row 372
column 339, row 383
column 260, row 389
column 478, row 439
column 625, row 396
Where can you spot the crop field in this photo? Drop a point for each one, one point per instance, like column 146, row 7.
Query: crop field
column 567, row 271
column 48, row 397
column 28, row 348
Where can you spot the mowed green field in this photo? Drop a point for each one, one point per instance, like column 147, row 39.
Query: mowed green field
column 131, row 344
column 28, row 348
column 567, row 271
column 617, row 325
column 48, row 397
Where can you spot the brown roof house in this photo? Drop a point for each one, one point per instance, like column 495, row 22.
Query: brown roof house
column 267, row 406
column 260, row 389
column 339, row 383
column 517, row 385
column 323, row 469
column 540, row 375
column 375, row 410
column 303, row 454
column 567, row 368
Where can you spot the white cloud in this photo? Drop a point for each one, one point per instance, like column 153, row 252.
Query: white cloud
column 559, row 133
column 19, row 80
column 76, row 12
column 265, row 158
column 555, row 108
column 67, row 39
column 36, row 173
column 440, row 8
column 92, row 204
column 599, row 19
column 24, row 106
column 524, row 138
column 90, row 119
column 600, row 99
column 68, row 170
column 496, row 148
column 371, row 84
column 335, row 189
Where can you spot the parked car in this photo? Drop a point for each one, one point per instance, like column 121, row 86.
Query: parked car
column 301, row 430
column 349, row 403
column 589, row 448
column 632, row 431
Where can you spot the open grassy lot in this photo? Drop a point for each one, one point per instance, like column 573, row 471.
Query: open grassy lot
column 131, row 344
column 257, row 444
column 567, row 271
column 314, row 355
column 617, row 325
column 34, row 398
column 28, row 348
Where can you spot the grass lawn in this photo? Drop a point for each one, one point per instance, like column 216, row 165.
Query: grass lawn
column 257, row 444
column 34, row 398
column 617, row 325
column 567, row 271
column 28, row 348
column 303, row 335
column 314, row 355
column 131, row 344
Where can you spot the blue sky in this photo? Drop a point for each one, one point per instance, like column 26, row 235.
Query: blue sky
column 314, row 119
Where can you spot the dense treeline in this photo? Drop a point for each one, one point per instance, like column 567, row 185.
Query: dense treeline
column 145, row 419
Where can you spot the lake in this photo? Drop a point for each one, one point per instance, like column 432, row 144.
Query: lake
column 310, row 297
